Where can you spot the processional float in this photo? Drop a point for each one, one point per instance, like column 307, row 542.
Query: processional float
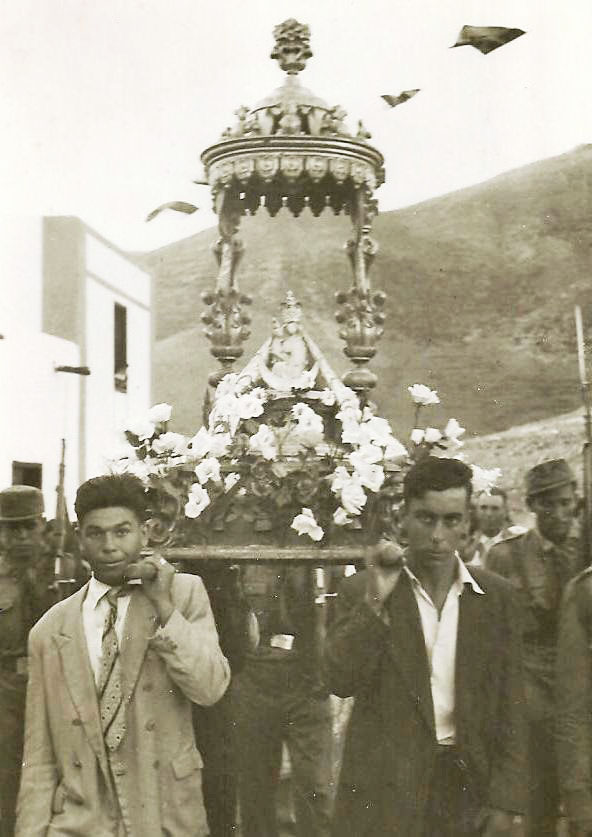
column 301, row 470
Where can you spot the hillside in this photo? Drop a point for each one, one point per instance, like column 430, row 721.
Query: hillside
column 481, row 285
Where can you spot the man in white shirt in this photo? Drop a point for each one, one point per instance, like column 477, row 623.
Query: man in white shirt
column 109, row 745
column 429, row 650
column 493, row 525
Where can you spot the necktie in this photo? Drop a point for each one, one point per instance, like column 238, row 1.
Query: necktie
column 110, row 682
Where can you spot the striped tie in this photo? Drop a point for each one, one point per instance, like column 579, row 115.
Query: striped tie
column 110, row 692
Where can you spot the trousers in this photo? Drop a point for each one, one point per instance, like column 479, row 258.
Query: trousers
column 275, row 704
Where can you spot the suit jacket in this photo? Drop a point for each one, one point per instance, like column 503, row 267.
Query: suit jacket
column 69, row 785
column 391, row 742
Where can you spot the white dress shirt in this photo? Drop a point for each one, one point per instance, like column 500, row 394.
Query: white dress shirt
column 440, row 634
column 95, row 610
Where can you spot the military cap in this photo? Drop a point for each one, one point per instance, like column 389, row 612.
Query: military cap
column 548, row 475
column 20, row 502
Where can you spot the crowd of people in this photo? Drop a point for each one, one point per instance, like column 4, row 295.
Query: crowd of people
column 138, row 699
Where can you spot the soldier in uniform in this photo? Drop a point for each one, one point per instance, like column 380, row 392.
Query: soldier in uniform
column 539, row 563
column 574, row 703
column 21, row 527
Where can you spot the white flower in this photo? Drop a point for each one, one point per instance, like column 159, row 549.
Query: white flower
column 356, row 434
column 339, row 478
column 453, row 429
column 353, row 496
column 327, row 397
column 227, row 385
column 305, row 524
column 263, row 442
column 160, row 412
column 417, row 436
column 197, row 501
column 371, row 476
column 141, row 426
column 423, row 395
column 365, row 455
column 208, row 469
column 432, row 435
column 395, row 450
column 250, row 405
column 349, row 413
column 201, row 443
column 230, row 480
column 341, row 517
column 174, row 443
column 379, row 430
column 226, row 409
column 484, row 479
column 308, row 420
column 220, row 442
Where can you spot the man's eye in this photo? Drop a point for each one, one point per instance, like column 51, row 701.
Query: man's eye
column 121, row 533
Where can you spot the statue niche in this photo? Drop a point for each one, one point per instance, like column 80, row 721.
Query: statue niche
column 287, row 364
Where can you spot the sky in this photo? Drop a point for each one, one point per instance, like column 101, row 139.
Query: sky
column 106, row 106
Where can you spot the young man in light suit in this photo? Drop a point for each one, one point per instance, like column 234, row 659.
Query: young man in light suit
column 431, row 652
column 113, row 670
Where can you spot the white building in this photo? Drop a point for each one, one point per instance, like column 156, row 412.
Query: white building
column 68, row 298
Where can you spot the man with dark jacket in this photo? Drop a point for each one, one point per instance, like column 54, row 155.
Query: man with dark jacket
column 539, row 564
column 430, row 652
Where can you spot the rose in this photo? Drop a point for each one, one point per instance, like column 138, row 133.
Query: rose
column 249, row 405
column 365, row 455
column 417, row 436
column 395, row 450
column 356, row 434
column 371, row 476
column 197, row 501
column 201, row 443
column 341, row 517
column 227, row 385
column 230, row 480
column 339, row 478
column 422, row 395
column 220, row 442
column 379, row 431
column 305, row 524
column 432, row 435
column 208, row 469
column 353, row 496
column 263, row 442
column 307, row 420
column 159, row 413
column 453, row 430
column 174, row 443
column 141, row 426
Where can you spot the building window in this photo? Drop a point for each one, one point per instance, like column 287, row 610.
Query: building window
column 27, row 473
column 120, row 347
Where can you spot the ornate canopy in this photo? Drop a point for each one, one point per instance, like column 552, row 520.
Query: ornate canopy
column 294, row 150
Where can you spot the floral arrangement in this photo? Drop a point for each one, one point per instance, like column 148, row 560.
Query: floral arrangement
column 316, row 462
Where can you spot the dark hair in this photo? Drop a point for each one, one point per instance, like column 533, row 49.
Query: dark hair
column 435, row 474
column 123, row 490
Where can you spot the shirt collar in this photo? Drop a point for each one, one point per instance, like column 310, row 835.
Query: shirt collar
column 463, row 577
column 548, row 546
column 96, row 590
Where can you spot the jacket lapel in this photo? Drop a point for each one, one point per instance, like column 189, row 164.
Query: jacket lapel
column 407, row 647
column 140, row 625
column 471, row 634
column 71, row 643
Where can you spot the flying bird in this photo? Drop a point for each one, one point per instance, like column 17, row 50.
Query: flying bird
column 486, row 38
column 393, row 101
column 178, row 206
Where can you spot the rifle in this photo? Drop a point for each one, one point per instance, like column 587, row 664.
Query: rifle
column 62, row 585
column 587, row 447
